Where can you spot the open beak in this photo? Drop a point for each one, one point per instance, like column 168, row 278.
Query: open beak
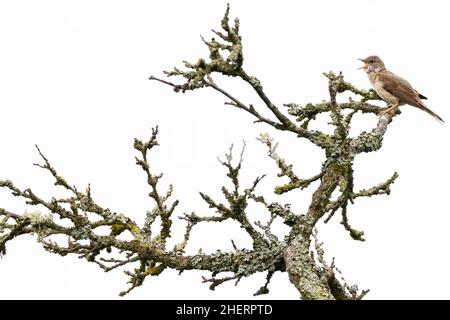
column 364, row 66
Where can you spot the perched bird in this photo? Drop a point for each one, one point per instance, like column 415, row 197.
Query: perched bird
column 393, row 89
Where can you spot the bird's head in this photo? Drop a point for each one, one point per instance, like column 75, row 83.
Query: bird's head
column 372, row 64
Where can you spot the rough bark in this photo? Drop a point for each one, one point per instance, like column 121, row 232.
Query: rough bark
column 300, row 254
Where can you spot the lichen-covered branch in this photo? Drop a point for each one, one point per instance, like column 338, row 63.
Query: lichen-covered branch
column 237, row 202
column 145, row 249
column 198, row 75
column 145, row 253
column 161, row 209
column 285, row 169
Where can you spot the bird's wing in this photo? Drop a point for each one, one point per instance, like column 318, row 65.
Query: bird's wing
column 399, row 88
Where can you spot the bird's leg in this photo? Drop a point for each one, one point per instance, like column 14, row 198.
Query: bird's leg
column 390, row 110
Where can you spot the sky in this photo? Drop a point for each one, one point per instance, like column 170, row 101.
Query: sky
column 74, row 80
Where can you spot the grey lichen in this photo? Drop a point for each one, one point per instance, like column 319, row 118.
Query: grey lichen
column 367, row 142
column 147, row 251
column 37, row 219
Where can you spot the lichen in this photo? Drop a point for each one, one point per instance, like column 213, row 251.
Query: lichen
column 37, row 219
column 269, row 253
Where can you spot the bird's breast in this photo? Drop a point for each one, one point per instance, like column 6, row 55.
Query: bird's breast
column 379, row 89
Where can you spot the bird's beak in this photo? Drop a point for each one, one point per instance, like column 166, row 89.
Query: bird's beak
column 364, row 66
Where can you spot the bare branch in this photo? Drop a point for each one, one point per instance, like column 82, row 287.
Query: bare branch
column 264, row 289
column 355, row 234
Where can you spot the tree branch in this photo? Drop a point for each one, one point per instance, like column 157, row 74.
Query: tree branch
column 147, row 252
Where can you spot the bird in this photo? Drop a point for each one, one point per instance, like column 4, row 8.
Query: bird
column 393, row 89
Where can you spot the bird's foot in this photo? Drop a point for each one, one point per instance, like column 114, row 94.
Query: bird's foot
column 392, row 111
column 387, row 111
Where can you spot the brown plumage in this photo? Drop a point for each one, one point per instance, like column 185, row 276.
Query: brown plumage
column 392, row 88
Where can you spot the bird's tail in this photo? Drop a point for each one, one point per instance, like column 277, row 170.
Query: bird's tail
column 427, row 110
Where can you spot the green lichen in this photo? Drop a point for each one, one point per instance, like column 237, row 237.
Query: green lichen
column 135, row 231
column 117, row 228
column 292, row 254
column 254, row 82
column 366, row 142
column 37, row 219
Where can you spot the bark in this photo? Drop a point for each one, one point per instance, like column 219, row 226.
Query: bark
column 310, row 281
column 300, row 265
column 306, row 268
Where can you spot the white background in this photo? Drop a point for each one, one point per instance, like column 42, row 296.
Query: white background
column 73, row 79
